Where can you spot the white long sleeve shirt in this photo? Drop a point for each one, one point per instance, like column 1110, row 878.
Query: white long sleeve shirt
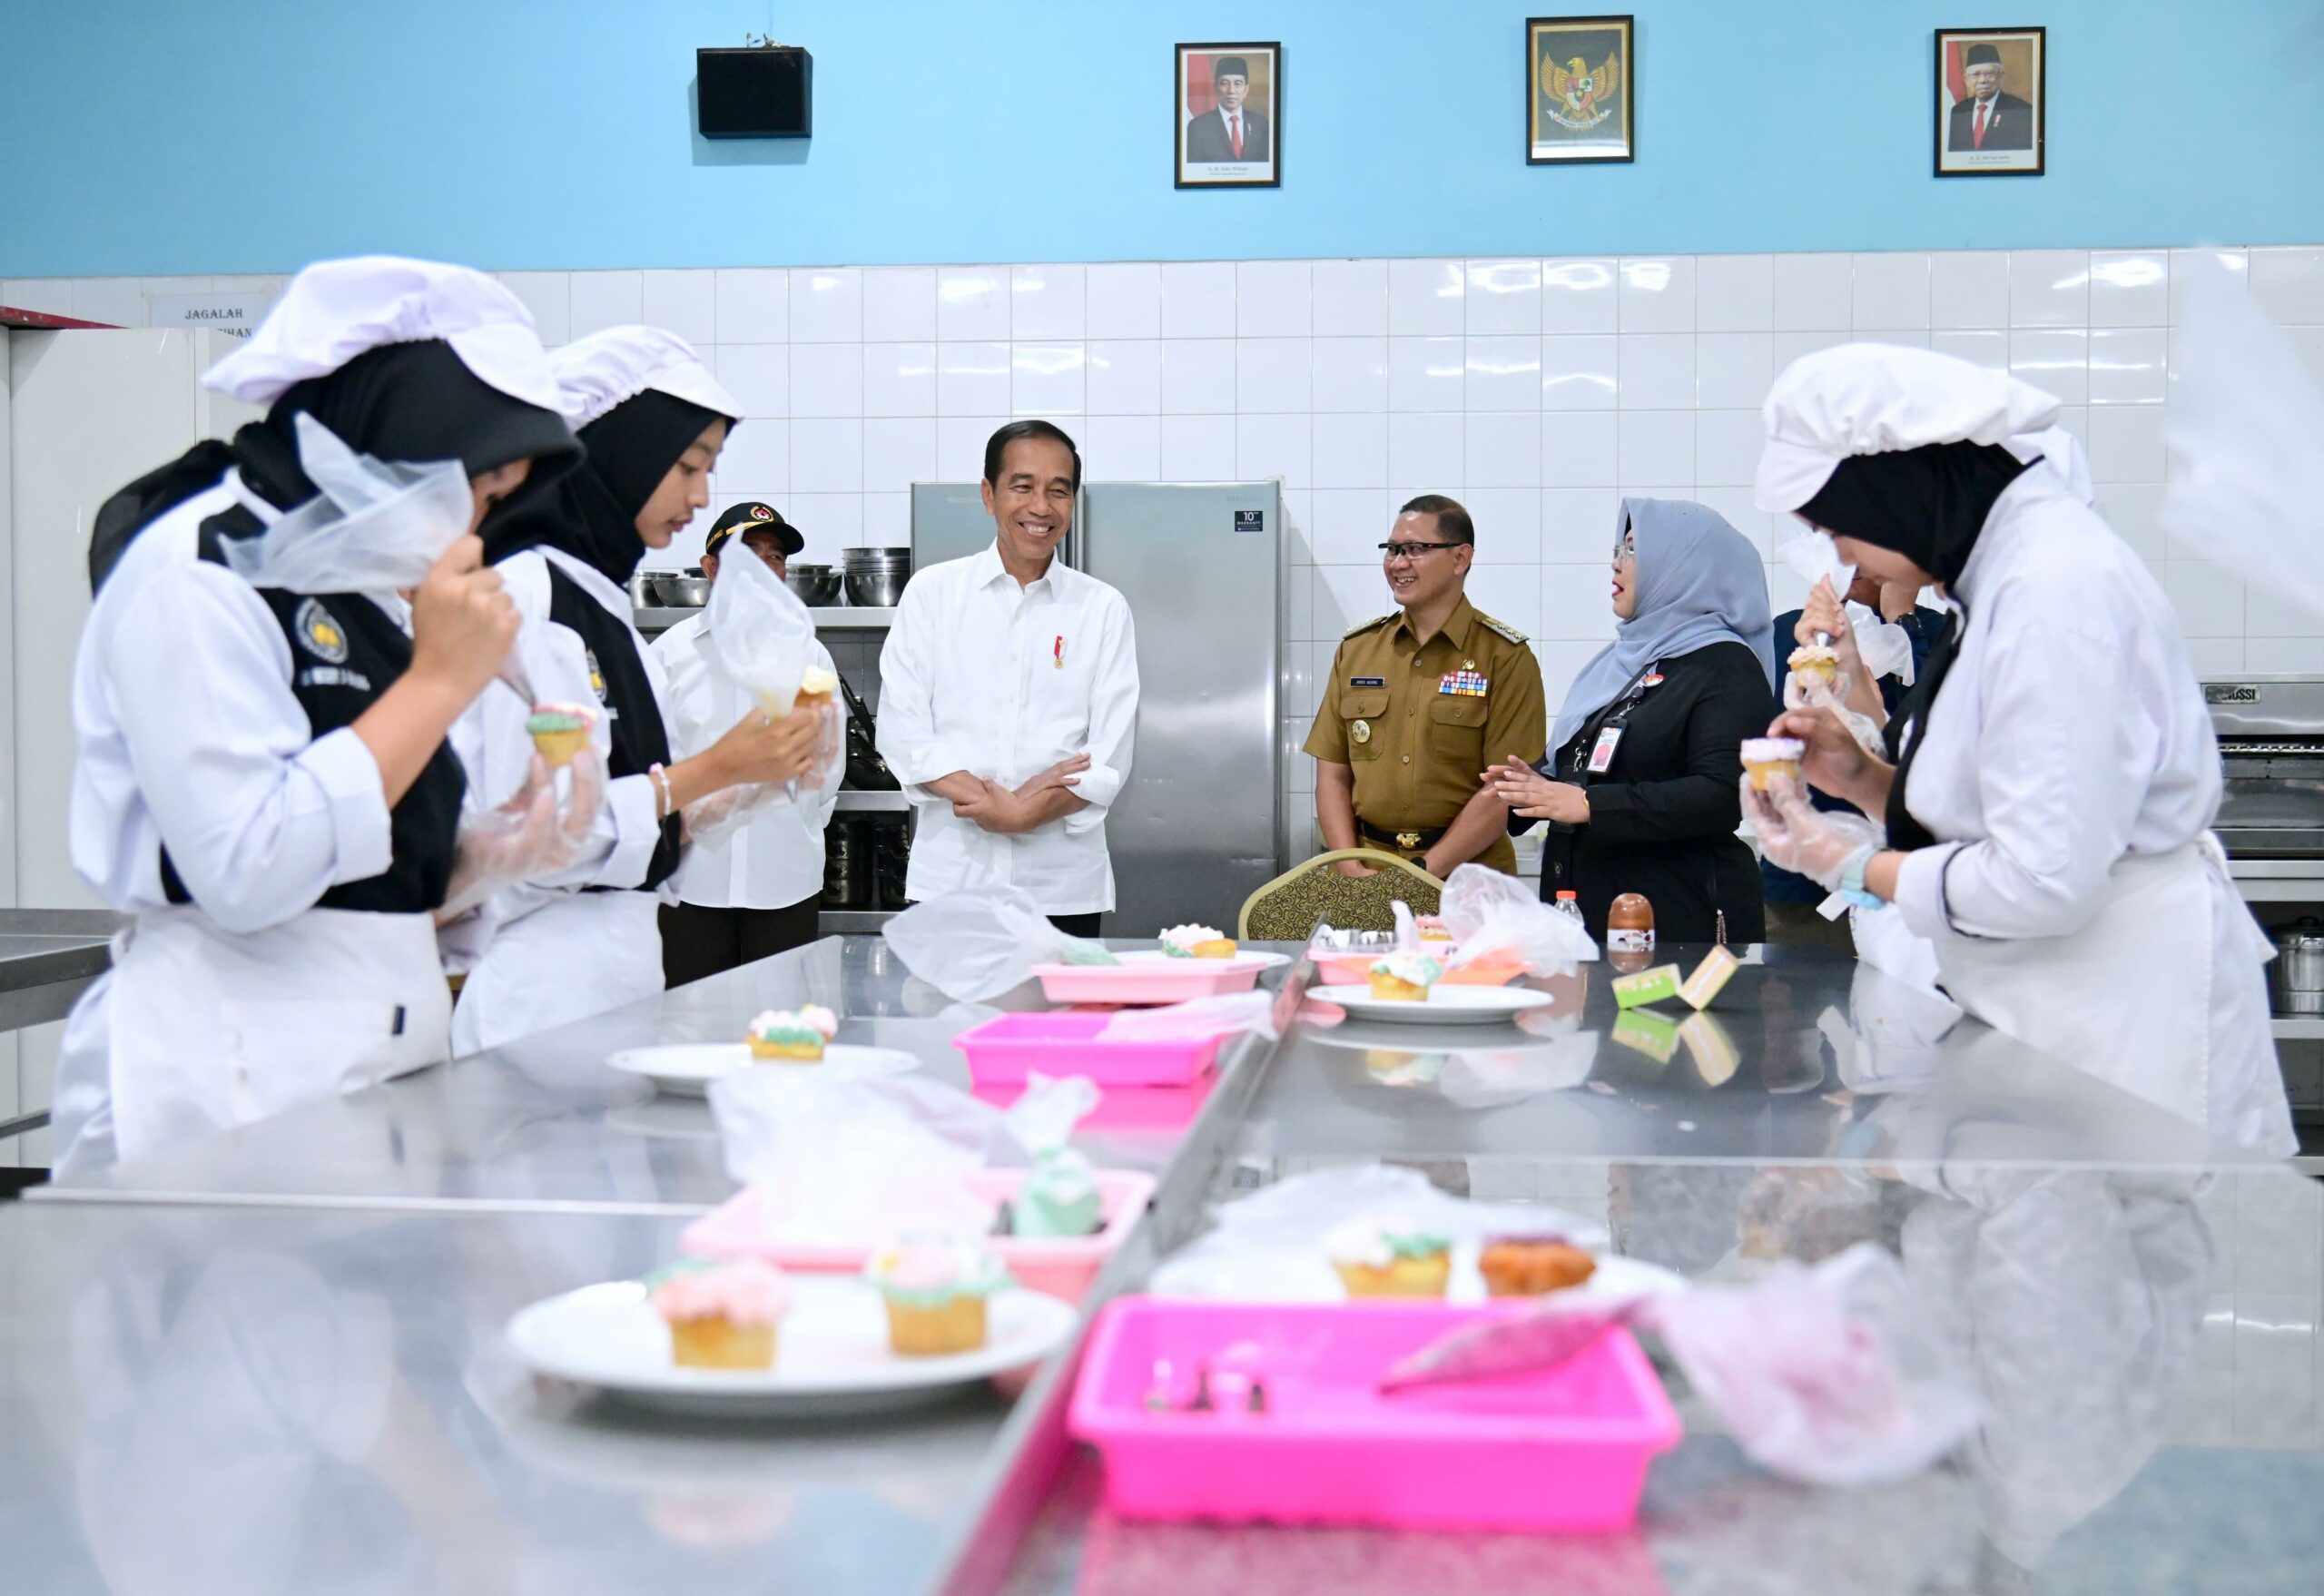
column 776, row 858
column 1004, row 680
column 2070, row 730
column 188, row 732
column 497, row 752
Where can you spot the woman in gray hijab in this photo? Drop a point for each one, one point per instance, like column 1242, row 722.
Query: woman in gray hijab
column 1640, row 783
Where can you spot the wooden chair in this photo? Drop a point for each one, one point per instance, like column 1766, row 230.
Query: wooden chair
column 1286, row 909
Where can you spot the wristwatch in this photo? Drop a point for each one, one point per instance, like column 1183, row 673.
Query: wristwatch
column 1852, row 887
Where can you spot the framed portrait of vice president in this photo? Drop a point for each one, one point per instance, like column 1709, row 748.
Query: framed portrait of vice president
column 1228, row 102
column 1992, row 105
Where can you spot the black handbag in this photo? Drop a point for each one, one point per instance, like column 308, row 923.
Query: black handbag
column 866, row 770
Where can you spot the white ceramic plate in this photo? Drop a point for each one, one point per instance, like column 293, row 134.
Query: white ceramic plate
column 1258, row 957
column 687, row 1068
column 832, row 1353
column 1445, row 1005
column 1309, row 1277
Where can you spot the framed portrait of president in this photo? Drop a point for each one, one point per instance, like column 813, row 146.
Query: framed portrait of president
column 1227, row 100
column 1581, row 90
column 1991, row 107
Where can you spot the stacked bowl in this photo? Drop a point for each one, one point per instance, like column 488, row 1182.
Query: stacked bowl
column 875, row 577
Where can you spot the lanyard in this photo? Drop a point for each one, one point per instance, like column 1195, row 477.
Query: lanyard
column 1593, row 751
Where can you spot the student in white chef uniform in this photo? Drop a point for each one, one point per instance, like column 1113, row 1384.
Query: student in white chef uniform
column 1008, row 697
column 652, row 420
column 261, row 775
column 2049, row 786
column 756, row 892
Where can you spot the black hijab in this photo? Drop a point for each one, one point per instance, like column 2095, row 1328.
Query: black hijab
column 593, row 515
column 1928, row 504
column 407, row 403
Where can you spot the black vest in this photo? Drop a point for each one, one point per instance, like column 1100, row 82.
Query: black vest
column 345, row 651
column 633, row 716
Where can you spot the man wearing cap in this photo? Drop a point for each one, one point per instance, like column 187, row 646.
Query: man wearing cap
column 1228, row 132
column 755, row 893
column 1988, row 119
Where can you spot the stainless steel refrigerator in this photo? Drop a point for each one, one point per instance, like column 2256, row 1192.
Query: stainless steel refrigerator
column 1198, row 827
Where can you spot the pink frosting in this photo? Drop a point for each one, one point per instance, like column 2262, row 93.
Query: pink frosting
column 743, row 1292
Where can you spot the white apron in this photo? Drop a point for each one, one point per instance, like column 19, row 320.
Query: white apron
column 2163, row 993
column 579, row 954
column 196, row 1030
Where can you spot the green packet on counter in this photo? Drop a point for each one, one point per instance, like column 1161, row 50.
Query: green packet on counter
column 1648, row 986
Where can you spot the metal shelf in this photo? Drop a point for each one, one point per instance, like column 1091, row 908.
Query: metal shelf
column 884, row 802
column 2299, row 1028
column 855, row 923
column 848, row 618
column 838, row 618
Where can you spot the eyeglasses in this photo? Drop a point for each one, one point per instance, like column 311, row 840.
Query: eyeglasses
column 1626, row 547
column 1411, row 551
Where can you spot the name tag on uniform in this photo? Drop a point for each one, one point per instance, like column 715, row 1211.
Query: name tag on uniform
column 1601, row 756
column 1462, row 683
column 1367, row 681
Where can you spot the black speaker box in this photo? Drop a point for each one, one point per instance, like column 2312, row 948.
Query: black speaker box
column 763, row 92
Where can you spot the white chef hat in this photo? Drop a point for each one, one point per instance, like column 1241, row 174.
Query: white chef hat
column 337, row 310
column 595, row 373
column 1865, row 399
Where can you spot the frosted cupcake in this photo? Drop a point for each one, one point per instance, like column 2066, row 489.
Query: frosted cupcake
column 1433, row 929
column 1765, row 758
column 1197, row 941
column 560, row 730
column 796, row 1036
column 1058, row 1198
column 1817, row 661
column 1384, row 1256
column 721, row 1315
column 1404, row 976
column 936, row 1293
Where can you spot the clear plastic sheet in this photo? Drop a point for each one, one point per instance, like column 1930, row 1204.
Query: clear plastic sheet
column 859, row 1162
column 975, row 945
column 1498, row 917
column 374, row 526
column 758, row 638
column 531, row 835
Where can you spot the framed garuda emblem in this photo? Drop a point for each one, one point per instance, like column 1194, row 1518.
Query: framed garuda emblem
column 1580, row 89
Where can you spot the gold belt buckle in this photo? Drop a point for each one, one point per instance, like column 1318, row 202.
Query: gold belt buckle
column 1408, row 841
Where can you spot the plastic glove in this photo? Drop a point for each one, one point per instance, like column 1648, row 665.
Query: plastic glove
column 528, row 837
column 1806, row 692
column 1795, row 835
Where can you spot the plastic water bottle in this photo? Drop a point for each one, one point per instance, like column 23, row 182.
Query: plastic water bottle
column 1570, row 905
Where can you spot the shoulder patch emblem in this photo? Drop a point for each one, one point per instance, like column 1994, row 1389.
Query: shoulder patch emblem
column 1374, row 622
column 1502, row 628
column 597, row 676
column 320, row 633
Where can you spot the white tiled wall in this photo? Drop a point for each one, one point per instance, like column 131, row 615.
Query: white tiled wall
column 1538, row 391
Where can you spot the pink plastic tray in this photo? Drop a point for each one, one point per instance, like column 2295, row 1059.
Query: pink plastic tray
column 1125, row 1108
column 1062, row 1266
column 1149, row 981
column 1002, row 1050
column 1566, row 1450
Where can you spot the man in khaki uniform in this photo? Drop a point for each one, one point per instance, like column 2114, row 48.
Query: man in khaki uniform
column 1421, row 703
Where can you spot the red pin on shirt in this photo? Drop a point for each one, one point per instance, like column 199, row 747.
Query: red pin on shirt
column 1056, row 654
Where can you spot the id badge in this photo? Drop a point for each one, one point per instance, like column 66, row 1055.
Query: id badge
column 1601, row 756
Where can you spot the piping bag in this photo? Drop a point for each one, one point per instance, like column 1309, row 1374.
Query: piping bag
column 1886, row 650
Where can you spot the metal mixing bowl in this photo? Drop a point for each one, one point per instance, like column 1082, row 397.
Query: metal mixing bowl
column 816, row 585
column 876, row 589
column 683, row 592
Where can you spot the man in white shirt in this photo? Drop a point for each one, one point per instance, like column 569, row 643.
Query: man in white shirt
column 757, row 893
column 1008, row 695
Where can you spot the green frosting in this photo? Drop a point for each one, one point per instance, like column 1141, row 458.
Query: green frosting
column 1416, row 1244
column 1088, row 953
column 553, row 720
column 1058, row 1198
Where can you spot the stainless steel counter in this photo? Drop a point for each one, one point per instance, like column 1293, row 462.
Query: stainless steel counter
column 204, row 1402
column 46, row 957
column 2139, row 1307
column 544, row 1124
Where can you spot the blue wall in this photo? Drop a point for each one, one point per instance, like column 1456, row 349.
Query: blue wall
column 154, row 136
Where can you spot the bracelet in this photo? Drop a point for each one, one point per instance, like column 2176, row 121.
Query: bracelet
column 1852, row 886
column 662, row 787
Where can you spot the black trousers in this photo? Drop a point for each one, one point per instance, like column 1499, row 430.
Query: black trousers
column 1077, row 925
column 698, row 941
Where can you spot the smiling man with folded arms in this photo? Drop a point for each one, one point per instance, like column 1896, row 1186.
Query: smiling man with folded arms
column 1008, row 695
